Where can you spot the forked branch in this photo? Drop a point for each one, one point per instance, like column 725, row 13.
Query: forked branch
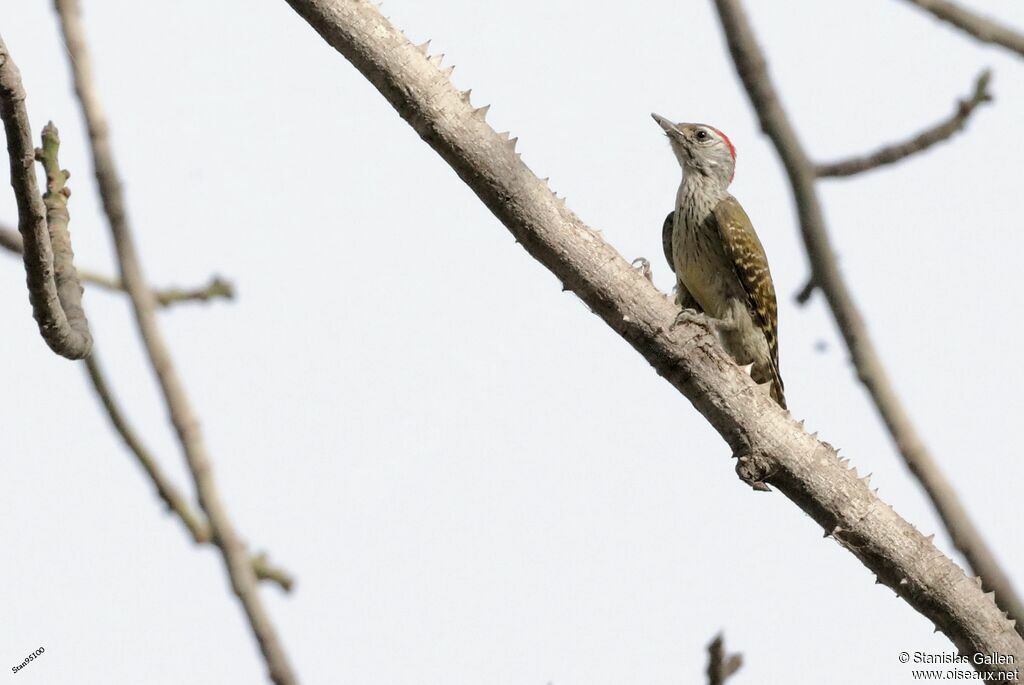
column 890, row 154
column 197, row 525
column 53, row 286
column 217, row 288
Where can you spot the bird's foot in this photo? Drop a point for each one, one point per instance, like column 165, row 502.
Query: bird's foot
column 690, row 316
column 644, row 267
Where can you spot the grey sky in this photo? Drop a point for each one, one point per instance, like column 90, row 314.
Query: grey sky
column 473, row 479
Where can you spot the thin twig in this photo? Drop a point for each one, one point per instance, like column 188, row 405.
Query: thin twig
column 176, row 502
column 720, row 665
column 53, row 286
column 804, row 294
column 236, row 559
column 165, row 489
column 896, row 152
column 771, row 447
column 165, row 297
column 217, row 287
column 982, row 28
column 266, row 571
column 753, row 72
column 891, row 154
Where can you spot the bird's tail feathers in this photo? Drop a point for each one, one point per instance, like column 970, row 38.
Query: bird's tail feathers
column 769, row 373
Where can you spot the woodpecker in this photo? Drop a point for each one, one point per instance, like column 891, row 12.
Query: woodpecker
column 720, row 265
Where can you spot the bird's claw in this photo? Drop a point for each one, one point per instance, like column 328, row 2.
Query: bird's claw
column 686, row 316
column 644, row 267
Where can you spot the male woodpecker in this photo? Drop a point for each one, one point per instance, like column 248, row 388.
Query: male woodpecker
column 718, row 260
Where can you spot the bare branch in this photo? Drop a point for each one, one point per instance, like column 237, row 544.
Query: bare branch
column 753, row 72
column 11, row 241
column 216, row 288
column 53, row 286
column 236, row 559
column 165, row 489
column 898, row 151
column 196, row 524
column 165, row 297
column 720, row 666
column 771, row 447
column 984, row 29
column 890, row 154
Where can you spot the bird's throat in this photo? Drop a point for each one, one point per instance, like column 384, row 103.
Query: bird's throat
column 698, row 195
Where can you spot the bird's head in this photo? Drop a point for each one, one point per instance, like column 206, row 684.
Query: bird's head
column 701, row 149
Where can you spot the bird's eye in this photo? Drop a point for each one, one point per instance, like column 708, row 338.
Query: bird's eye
column 702, row 135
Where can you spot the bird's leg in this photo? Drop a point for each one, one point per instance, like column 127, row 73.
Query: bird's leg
column 690, row 309
column 644, row 267
column 728, row 328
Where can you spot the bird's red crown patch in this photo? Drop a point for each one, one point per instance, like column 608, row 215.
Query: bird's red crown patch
column 732, row 148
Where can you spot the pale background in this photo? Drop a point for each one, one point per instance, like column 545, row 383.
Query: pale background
column 472, row 477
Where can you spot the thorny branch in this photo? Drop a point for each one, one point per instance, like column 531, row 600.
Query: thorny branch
column 753, row 72
column 982, row 28
column 771, row 447
column 11, row 241
column 236, row 558
column 53, row 286
column 197, row 525
column 720, row 665
column 922, row 141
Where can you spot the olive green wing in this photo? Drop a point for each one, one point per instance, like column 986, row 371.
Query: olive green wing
column 745, row 252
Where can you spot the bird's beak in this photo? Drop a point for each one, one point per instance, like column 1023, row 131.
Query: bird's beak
column 665, row 124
